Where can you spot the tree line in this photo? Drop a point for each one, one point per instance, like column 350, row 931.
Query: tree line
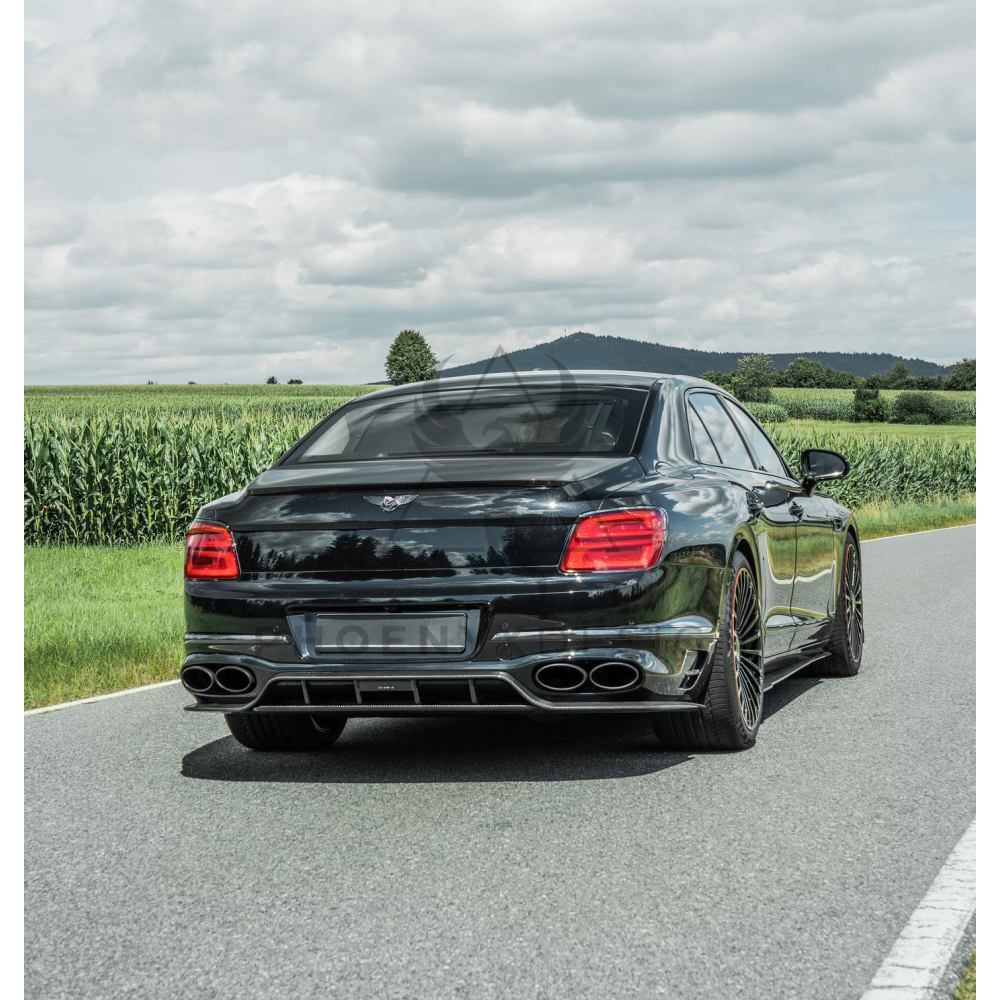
column 755, row 375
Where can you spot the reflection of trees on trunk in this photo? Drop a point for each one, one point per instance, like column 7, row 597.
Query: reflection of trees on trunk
column 347, row 551
column 526, row 545
column 480, row 547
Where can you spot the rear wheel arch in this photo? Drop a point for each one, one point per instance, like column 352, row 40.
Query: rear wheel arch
column 747, row 545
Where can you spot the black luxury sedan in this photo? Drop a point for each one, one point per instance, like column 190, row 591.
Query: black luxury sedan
column 550, row 542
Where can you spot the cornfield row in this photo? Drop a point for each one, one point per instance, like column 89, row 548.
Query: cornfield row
column 892, row 470
column 821, row 407
column 126, row 478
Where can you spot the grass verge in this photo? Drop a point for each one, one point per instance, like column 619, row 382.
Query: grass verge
column 100, row 619
column 876, row 520
column 967, row 987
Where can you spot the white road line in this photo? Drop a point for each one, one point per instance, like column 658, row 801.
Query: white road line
column 99, row 697
column 913, row 969
column 909, row 534
column 150, row 687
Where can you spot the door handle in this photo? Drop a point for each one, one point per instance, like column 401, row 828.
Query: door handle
column 796, row 508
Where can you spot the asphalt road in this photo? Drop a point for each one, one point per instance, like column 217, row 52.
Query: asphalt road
column 477, row 859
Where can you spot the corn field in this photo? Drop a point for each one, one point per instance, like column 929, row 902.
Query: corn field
column 888, row 469
column 114, row 477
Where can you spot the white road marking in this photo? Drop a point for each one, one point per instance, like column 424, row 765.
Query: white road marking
column 150, row 687
column 99, row 697
column 926, row 531
column 913, row 969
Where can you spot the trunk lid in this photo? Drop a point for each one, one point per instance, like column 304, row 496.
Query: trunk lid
column 446, row 515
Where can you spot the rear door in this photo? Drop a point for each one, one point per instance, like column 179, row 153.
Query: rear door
column 812, row 593
column 718, row 442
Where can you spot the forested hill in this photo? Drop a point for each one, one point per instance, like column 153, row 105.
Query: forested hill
column 586, row 351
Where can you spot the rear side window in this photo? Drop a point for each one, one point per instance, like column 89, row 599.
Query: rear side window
column 703, row 446
column 721, row 429
column 767, row 456
column 483, row 420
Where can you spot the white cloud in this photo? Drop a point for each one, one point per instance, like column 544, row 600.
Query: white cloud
column 249, row 188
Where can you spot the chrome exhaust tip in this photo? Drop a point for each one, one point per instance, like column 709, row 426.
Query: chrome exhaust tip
column 561, row 677
column 234, row 680
column 198, row 680
column 615, row 676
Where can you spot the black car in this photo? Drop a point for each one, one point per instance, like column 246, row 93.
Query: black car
column 552, row 542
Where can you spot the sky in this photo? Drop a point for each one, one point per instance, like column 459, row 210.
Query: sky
column 220, row 191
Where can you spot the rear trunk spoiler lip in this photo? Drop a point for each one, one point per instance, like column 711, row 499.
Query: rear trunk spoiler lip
column 529, row 471
column 407, row 483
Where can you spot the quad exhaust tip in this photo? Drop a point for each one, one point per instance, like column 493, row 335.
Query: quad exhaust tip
column 615, row 676
column 562, row 677
column 198, row 680
column 230, row 679
column 234, row 680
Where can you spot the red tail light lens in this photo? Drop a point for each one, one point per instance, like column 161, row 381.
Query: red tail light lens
column 209, row 553
column 621, row 539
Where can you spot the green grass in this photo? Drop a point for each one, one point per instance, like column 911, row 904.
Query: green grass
column 876, row 520
column 100, row 619
column 103, row 618
column 960, row 433
column 967, row 987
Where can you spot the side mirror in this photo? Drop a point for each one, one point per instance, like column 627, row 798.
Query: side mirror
column 819, row 465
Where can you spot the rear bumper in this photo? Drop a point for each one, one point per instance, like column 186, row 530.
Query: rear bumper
column 670, row 658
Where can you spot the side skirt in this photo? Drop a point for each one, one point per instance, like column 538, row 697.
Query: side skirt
column 771, row 680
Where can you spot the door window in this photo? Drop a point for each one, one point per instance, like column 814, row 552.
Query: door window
column 722, row 430
column 760, row 443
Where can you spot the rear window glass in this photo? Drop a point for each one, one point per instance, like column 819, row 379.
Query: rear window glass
column 481, row 420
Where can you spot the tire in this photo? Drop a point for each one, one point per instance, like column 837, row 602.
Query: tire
column 286, row 732
column 847, row 642
column 734, row 697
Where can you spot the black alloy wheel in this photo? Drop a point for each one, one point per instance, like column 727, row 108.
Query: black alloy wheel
column 734, row 694
column 746, row 644
column 847, row 633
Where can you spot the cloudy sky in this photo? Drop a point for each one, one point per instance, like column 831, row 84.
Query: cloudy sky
column 220, row 191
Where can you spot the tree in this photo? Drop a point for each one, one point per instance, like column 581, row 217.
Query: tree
column 963, row 375
column 920, row 408
column 803, row 373
column 720, row 379
column 876, row 381
column 898, row 376
column 271, row 380
column 295, row 381
column 753, row 378
column 834, row 379
column 868, row 406
column 410, row 359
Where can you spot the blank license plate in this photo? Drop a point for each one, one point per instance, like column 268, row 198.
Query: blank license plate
column 402, row 633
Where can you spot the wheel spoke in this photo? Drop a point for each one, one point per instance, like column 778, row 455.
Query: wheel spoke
column 853, row 610
column 747, row 664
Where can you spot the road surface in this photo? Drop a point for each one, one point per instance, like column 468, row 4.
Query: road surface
column 495, row 858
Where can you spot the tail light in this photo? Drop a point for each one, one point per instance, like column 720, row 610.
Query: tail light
column 209, row 553
column 620, row 539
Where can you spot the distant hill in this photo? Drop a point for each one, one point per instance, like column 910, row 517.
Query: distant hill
column 587, row 351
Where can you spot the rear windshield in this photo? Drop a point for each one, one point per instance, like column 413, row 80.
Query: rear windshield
column 476, row 421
